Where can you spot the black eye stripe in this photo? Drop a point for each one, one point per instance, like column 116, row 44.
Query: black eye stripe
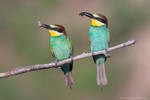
column 101, row 20
column 55, row 29
column 98, row 19
column 58, row 30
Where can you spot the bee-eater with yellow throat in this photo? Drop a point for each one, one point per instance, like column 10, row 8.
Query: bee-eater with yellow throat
column 99, row 40
column 61, row 49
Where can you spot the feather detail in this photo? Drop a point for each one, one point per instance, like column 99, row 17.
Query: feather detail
column 101, row 76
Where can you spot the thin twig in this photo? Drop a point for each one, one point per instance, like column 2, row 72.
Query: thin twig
column 30, row 68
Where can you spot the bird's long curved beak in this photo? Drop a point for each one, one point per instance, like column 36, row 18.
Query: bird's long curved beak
column 86, row 14
column 45, row 26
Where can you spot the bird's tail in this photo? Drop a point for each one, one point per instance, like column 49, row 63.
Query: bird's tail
column 68, row 79
column 101, row 75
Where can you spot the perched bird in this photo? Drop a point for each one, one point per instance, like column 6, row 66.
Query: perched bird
column 99, row 40
column 61, row 48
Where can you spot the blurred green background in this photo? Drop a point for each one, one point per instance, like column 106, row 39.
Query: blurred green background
column 23, row 43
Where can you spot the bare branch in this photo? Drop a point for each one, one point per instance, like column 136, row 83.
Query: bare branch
column 30, row 68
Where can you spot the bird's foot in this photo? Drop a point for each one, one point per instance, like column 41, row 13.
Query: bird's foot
column 56, row 64
column 92, row 53
column 106, row 53
column 71, row 58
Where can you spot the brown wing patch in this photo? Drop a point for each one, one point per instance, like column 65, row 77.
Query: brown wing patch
column 89, row 42
column 108, row 36
column 72, row 50
column 52, row 52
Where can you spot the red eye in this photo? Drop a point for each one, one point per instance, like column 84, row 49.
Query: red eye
column 98, row 19
column 56, row 29
column 101, row 20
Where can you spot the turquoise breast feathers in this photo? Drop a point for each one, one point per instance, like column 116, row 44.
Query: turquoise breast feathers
column 98, row 38
column 61, row 47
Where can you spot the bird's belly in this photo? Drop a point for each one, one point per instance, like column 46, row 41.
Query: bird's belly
column 98, row 44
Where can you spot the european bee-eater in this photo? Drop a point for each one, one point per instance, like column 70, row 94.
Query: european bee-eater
column 99, row 40
column 61, row 48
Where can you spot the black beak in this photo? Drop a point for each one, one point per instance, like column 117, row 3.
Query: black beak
column 45, row 26
column 86, row 14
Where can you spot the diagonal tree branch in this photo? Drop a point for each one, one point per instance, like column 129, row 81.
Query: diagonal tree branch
column 30, row 68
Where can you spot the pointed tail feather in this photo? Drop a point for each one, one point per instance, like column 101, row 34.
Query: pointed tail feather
column 101, row 76
column 69, row 80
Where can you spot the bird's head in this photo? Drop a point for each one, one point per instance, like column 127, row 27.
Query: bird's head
column 54, row 30
column 96, row 19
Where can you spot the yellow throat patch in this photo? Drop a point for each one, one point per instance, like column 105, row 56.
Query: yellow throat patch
column 54, row 33
column 95, row 22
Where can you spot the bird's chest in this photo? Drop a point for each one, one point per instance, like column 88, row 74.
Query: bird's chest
column 98, row 39
column 60, row 48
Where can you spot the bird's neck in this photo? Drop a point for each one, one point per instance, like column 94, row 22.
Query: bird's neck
column 96, row 23
column 98, row 26
column 54, row 33
column 57, row 37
